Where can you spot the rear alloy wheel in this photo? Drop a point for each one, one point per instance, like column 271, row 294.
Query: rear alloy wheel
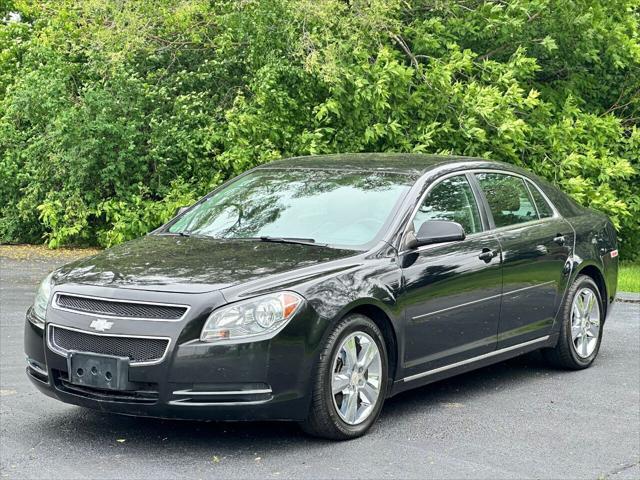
column 585, row 322
column 351, row 381
column 581, row 330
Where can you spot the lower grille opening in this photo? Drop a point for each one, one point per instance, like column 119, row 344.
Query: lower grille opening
column 146, row 393
column 137, row 349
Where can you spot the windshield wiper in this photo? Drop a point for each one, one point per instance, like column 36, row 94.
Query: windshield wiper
column 264, row 238
column 301, row 241
column 185, row 233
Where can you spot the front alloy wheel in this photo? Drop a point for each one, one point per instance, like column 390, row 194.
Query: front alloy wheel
column 356, row 377
column 351, row 380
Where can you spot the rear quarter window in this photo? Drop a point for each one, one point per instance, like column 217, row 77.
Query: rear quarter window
column 566, row 205
column 544, row 209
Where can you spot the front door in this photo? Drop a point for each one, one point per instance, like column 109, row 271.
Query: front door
column 451, row 291
column 536, row 243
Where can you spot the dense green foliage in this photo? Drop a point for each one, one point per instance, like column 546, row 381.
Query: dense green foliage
column 114, row 113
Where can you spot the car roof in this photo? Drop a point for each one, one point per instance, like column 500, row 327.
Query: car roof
column 415, row 165
column 406, row 163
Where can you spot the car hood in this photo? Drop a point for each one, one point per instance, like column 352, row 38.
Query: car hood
column 191, row 264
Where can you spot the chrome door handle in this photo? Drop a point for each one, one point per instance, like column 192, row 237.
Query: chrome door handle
column 487, row 255
column 559, row 239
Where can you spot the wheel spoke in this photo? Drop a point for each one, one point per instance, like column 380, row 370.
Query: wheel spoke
column 591, row 303
column 368, row 354
column 350, row 407
column 580, row 303
column 369, row 393
column 575, row 331
column 351, row 352
column 340, row 382
column 365, row 347
column 578, row 345
column 374, row 380
column 585, row 346
column 576, row 313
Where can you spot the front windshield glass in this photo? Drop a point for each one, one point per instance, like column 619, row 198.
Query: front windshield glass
column 335, row 207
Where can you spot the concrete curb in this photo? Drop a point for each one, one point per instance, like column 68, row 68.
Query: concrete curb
column 629, row 297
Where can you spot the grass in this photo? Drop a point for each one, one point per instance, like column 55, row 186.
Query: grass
column 629, row 277
column 38, row 252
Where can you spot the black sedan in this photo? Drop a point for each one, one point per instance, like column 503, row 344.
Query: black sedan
column 312, row 288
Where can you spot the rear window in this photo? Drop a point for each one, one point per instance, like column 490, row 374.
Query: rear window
column 508, row 198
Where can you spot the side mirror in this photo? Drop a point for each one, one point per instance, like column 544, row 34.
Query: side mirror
column 436, row 231
column 180, row 211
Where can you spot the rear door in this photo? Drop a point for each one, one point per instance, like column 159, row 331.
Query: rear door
column 451, row 291
column 536, row 243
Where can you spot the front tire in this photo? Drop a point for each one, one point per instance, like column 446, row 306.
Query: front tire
column 351, row 381
column 582, row 316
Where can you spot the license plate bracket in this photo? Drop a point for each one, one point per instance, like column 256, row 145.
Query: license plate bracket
column 98, row 371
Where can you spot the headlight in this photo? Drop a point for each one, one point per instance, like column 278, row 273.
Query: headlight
column 257, row 316
column 42, row 300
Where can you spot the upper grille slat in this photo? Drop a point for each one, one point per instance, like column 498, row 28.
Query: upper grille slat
column 137, row 349
column 110, row 308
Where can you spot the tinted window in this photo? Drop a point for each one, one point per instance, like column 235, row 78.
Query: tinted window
column 508, row 199
column 451, row 199
column 544, row 209
column 346, row 208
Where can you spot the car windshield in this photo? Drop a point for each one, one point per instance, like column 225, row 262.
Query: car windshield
column 335, row 207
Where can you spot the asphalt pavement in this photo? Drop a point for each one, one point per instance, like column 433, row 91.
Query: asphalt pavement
column 517, row 419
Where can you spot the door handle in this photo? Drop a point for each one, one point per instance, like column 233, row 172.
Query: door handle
column 487, row 254
column 559, row 239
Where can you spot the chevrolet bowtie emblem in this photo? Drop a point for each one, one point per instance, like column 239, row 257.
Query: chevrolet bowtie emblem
column 101, row 325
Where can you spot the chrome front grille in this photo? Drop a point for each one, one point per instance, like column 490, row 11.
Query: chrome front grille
column 139, row 350
column 119, row 308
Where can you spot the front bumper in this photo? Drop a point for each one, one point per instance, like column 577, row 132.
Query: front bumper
column 261, row 380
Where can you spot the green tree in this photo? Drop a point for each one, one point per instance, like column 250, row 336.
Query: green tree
column 114, row 113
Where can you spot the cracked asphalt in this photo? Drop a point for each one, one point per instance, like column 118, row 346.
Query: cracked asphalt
column 517, row 419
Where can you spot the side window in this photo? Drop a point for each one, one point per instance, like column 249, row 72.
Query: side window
column 508, row 199
column 451, row 199
column 544, row 209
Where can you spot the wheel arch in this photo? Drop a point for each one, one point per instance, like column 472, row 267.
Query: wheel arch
column 383, row 320
column 593, row 272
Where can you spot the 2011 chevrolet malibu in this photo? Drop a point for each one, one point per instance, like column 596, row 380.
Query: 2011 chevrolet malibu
column 313, row 288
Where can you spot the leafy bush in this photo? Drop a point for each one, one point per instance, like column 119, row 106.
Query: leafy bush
column 112, row 114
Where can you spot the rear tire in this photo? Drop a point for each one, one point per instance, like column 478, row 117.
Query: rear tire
column 354, row 365
column 582, row 317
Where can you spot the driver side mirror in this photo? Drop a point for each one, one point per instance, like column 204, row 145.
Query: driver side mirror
column 435, row 231
column 180, row 210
